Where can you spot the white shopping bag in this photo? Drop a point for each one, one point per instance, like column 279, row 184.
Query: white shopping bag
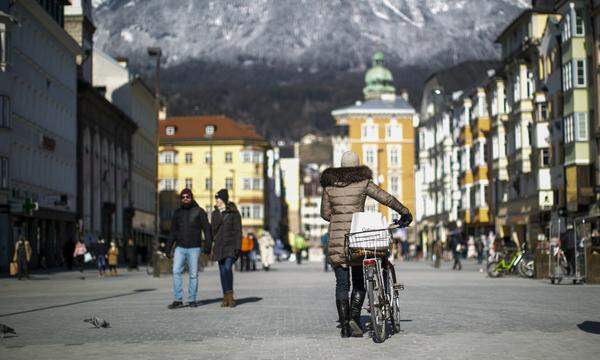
column 362, row 237
column 364, row 221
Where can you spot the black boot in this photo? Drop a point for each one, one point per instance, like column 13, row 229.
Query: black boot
column 344, row 314
column 358, row 297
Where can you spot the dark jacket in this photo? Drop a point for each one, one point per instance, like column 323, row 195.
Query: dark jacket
column 189, row 222
column 227, row 232
column 101, row 249
column 345, row 190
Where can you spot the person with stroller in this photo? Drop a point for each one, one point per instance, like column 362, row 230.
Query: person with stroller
column 344, row 193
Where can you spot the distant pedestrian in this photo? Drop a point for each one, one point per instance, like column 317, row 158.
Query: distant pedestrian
column 79, row 255
column 68, row 249
column 113, row 258
column 22, row 256
column 437, row 253
column 226, row 223
column 266, row 244
column 190, row 234
column 456, row 248
column 246, row 249
column 278, row 249
column 325, row 246
column 132, row 256
column 101, row 250
column 479, row 245
column 299, row 245
column 254, row 251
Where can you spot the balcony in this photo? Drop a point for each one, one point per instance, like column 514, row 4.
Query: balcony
column 482, row 126
column 480, row 216
column 466, row 178
column 466, row 136
column 481, row 173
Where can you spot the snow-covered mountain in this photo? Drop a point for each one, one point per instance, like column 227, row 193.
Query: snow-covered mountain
column 305, row 32
column 264, row 60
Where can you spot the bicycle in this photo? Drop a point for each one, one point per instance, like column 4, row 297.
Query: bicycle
column 520, row 261
column 383, row 290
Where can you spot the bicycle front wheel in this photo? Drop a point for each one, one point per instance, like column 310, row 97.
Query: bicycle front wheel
column 378, row 321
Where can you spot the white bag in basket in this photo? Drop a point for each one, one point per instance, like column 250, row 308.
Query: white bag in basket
column 365, row 221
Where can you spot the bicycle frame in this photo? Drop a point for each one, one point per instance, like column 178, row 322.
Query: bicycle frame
column 514, row 261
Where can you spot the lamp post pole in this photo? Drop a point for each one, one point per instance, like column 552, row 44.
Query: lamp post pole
column 209, row 131
column 156, row 52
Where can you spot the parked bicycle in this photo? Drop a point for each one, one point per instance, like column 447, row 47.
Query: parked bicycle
column 520, row 261
column 383, row 290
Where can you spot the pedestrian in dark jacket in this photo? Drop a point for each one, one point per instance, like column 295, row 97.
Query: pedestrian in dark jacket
column 345, row 190
column 100, row 251
column 226, row 223
column 132, row 256
column 189, row 224
column 456, row 248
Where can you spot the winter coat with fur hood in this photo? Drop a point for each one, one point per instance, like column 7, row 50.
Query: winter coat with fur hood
column 345, row 190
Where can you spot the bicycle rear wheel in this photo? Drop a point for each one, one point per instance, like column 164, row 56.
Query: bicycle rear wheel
column 492, row 269
column 378, row 321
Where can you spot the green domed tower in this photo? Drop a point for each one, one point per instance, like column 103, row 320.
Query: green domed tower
column 378, row 79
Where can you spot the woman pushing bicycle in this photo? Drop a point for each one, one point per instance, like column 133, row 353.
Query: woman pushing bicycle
column 344, row 193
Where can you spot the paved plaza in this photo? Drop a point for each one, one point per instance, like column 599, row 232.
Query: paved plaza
column 289, row 313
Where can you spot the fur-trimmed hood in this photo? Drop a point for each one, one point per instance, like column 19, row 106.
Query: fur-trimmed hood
column 343, row 176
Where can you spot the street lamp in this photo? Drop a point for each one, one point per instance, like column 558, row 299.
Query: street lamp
column 156, row 52
column 209, row 132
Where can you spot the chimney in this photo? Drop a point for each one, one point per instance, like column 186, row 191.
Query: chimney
column 404, row 94
column 162, row 112
column 123, row 61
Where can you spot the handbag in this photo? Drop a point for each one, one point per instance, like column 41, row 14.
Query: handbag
column 87, row 257
column 14, row 268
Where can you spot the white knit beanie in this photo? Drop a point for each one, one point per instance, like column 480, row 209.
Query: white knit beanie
column 350, row 159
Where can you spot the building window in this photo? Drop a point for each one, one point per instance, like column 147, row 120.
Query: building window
column 371, row 208
column 207, row 157
column 188, row 158
column 518, row 143
column 580, row 73
column 247, row 184
column 5, row 111
column 188, row 183
column 229, row 183
column 3, row 173
column 545, row 157
column 246, row 211
column 567, row 76
column 167, row 157
column 4, row 47
column 370, row 156
column 569, row 129
column 168, row 184
column 566, row 28
column 170, row 130
column 229, row 157
column 257, row 184
column 257, row 212
column 207, row 184
column 579, row 23
column 247, row 156
column 581, row 127
column 369, row 131
column 394, row 185
column 393, row 132
column 394, row 156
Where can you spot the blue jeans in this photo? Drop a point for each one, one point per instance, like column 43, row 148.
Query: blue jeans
column 226, row 273
column 101, row 261
column 183, row 256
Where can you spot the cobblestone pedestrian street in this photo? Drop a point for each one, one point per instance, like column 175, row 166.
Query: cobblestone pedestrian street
column 289, row 313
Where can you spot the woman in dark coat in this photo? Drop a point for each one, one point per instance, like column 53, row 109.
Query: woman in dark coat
column 132, row 256
column 226, row 223
column 345, row 190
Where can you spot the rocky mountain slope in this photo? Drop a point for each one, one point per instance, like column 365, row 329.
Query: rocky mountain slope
column 272, row 62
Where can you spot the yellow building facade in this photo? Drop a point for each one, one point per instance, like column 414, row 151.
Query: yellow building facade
column 209, row 153
column 380, row 131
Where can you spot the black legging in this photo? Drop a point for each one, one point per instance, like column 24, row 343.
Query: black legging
column 342, row 280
